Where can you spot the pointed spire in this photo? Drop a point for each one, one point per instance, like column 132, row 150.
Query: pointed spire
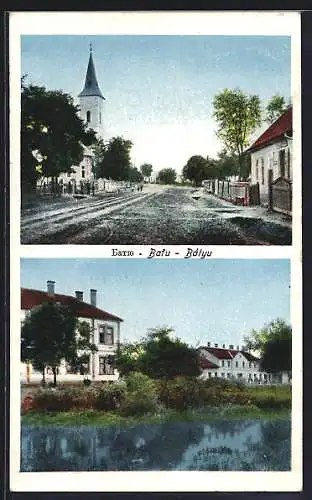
column 91, row 87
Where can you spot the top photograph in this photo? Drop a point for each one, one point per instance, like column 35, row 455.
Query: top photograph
column 156, row 139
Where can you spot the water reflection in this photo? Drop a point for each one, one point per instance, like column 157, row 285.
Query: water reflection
column 225, row 445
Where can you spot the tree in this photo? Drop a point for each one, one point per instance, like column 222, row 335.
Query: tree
column 167, row 176
column 146, row 169
column 273, row 343
column 275, row 108
column 116, row 161
column 237, row 115
column 49, row 335
column 52, row 134
column 134, row 175
column 159, row 356
column 98, row 149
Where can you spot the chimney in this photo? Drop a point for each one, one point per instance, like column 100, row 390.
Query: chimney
column 223, row 346
column 208, row 344
column 93, row 297
column 216, row 345
column 237, row 347
column 51, row 288
column 79, row 295
column 231, row 346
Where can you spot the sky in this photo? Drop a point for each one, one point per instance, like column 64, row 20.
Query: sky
column 217, row 300
column 159, row 89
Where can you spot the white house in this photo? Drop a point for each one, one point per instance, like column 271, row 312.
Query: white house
column 272, row 150
column 229, row 363
column 105, row 332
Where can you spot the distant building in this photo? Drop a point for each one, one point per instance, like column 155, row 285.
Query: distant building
column 105, row 331
column 272, row 150
column 234, row 364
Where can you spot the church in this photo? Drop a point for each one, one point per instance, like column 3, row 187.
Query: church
column 91, row 103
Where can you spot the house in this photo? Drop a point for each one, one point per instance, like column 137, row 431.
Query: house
column 231, row 364
column 272, row 150
column 105, row 331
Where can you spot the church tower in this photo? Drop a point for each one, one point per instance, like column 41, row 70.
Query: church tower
column 91, row 100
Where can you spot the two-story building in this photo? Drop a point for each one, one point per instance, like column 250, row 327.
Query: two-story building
column 104, row 327
column 231, row 364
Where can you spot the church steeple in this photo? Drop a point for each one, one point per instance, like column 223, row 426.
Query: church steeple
column 91, row 87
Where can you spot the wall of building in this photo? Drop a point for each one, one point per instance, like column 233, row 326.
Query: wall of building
column 268, row 157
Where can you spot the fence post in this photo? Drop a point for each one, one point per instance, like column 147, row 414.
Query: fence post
column 270, row 187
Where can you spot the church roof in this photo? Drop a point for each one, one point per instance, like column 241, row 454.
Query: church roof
column 91, row 86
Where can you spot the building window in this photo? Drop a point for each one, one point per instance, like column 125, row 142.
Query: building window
column 282, row 162
column 229, row 363
column 288, row 163
column 236, row 364
column 262, row 171
column 82, row 172
column 257, row 170
column 209, row 374
column 88, row 116
column 216, row 374
column 222, row 362
column 228, row 375
column 250, row 364
column 100, row 118
column 106, row 335
column 105, row 368
column 243, row 364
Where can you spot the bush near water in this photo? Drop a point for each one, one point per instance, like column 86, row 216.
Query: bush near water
column 138, row 394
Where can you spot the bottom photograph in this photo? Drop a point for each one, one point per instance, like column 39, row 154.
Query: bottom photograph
column 144, row 365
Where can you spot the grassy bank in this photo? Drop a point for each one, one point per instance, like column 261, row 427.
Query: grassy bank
column 139, row 399
column 100, row 418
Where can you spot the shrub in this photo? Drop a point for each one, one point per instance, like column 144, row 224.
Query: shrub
column 140, row 395
column 50, row 400
column 109, row 397
column 182, row 393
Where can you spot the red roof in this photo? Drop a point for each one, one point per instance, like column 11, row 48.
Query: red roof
column 283, row 125
column 205, row 363
column 222, row 353
column 31, row 298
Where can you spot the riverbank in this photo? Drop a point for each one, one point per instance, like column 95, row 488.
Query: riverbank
column 110, row 418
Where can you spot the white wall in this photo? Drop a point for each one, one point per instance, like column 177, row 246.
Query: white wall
column 269, row 155
column 94, row 104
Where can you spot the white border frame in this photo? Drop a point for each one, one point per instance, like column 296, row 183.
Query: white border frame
column 174, row 23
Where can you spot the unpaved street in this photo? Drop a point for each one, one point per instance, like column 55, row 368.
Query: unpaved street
column 156, row 216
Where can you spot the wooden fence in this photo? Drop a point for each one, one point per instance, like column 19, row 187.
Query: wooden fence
column 280, row 196
column 237, row 192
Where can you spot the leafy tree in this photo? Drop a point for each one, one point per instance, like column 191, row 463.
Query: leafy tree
column 167, row 176
column 78, row 356
column 196, row 169
column 134, row 175
column 273, row 343
column 237, row 115
column 146, row 169
column 52, row 134
column 277, row 356
column 158, row 356
column 275, row 108
column 98, row 149
column 49, row 334
column 116, row 161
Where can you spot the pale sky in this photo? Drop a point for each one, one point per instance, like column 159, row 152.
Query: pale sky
column 159, row 89
column 218, row 300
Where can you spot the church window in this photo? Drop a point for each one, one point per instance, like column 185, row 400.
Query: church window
column 88, row 116
column 83, row 173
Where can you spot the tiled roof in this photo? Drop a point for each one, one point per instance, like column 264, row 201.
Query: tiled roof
column 222, row 353
column 283, row 125
column 31, row 298
column 206, row 364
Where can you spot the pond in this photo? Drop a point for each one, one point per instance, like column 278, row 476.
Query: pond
column 258, row 445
